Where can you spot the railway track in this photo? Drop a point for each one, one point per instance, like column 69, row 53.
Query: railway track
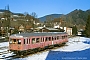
column 6, row 54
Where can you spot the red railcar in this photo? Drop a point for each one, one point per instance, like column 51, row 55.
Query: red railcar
column 27, row 41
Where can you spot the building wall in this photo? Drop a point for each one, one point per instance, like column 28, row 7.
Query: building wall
column 69, row 31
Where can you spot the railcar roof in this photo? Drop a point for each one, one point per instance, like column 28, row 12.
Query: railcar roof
column 38, row 34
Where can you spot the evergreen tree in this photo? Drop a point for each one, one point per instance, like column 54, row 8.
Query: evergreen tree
column 74, row 30
column 87, row 30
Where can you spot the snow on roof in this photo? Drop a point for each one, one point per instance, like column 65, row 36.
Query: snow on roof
column 51, row 29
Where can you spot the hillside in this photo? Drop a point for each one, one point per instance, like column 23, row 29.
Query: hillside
column 51, row 16
column 77, row 17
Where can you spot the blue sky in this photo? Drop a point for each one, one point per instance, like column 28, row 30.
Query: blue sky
column 45, row 7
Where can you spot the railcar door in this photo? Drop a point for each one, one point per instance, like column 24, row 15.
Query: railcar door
column 25, row 44
column 52, row 41
column 42, row 43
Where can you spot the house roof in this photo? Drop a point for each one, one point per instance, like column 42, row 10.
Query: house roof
column 21, row 27
column 49, row 28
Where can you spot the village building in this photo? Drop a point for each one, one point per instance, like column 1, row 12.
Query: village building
column 21, row 28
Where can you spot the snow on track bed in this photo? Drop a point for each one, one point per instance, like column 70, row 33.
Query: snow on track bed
column 4, row 53
column 73, row 45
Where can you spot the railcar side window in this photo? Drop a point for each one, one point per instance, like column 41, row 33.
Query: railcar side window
column 33, row 40
column 42, row 39
column 49, row 38
column 46, row 39
column 63, row 37
column 54, row 37
column 57, row 37
column 66, row 36
column 37, row 40
column 24, row 41
column 60, row 37
column 29, row 41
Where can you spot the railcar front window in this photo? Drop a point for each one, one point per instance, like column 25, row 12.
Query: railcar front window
column 14, row 41
column 10, row 41
column 19, row 41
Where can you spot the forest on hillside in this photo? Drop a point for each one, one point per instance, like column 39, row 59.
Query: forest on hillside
column 77, row 17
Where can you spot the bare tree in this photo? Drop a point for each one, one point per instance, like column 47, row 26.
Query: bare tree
column 34, row 14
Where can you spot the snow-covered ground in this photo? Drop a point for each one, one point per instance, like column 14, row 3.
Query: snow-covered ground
column 75, row 44
column 77, row 48
column 4, row 50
